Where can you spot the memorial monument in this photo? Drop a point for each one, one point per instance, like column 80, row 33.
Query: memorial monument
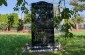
column 42, row 24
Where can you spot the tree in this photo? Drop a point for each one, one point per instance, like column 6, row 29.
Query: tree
column 78, row 5
column 16, row 18
column 27, row 18
column 3, row 21
column 20, row 5
column 3, row 2
column 65, row 15
column 20, row 25
column 77, row 19
column 10, row 21
column 3, row 18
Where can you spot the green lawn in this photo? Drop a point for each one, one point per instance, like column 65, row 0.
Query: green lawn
column 12, row 44
column 73, row 46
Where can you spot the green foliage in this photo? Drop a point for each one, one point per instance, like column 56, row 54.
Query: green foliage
column 66, row 16
column 15, row 19
column 27, row 18
column 3, row 21
column 21, row 5
column 78, row 5
column 57, row 20
column 82, row 0
column 65, row 28
column 77, row 19
column 3, row 26
column 10, row 21
column 20, row 25
column 3, row 2
column 3, row 18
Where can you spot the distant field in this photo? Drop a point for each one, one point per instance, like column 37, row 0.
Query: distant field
column 16, row 33
column 79, row 32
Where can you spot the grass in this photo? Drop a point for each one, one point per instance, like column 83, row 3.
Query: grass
column 73, row 46
column 12, row 44
column 16, row 33
column 79, row 32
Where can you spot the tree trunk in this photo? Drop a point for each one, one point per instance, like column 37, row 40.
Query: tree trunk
column 77, row 27
column 9, row 28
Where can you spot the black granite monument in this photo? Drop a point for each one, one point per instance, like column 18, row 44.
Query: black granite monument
column 42, row 24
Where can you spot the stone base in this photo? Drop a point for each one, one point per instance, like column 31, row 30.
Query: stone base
column 42, row 49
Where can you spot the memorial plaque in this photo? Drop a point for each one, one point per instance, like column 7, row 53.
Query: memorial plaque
column 42, row 24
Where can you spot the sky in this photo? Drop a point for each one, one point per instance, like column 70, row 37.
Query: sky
column 12, row 3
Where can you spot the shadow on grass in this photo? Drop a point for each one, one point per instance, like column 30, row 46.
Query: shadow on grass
column 42, row 53
column 73, row 46
column 74, row 50
column 80, row 36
